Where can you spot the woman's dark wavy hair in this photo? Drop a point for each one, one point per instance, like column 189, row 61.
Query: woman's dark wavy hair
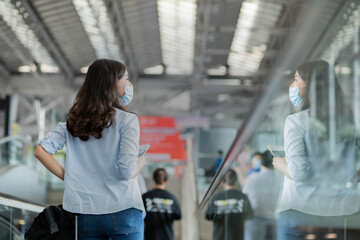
column 318, row 74
column 94, row 106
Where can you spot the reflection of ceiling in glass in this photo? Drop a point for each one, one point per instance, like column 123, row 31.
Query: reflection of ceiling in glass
column 249, row 43
column 344, row 36
column 177, row 33
column 97, row 25
column 26, row 36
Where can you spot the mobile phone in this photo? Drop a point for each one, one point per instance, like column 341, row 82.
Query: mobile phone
column 142, row 149
column 277, row 151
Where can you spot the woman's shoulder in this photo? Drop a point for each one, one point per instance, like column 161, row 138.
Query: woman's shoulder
column 302, row 116
column 124, row 118
column 297, row 120
column 121, row 114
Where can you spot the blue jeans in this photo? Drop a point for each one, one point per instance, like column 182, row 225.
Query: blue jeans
column 295, row 225
column 260, row 229
column 124, row 225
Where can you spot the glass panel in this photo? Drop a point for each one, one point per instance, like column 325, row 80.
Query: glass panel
column 14, row 222
column 96, row 21
column 177, row 20
column 311, row 120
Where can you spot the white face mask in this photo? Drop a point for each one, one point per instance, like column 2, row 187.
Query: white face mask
column 128, row 96
column 256, row 163
column 294, row 96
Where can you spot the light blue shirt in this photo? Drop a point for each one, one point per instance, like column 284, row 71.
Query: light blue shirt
column 262, row 189
column 319, row 186
column 99, row 173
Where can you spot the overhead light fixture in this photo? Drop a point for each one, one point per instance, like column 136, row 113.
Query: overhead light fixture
column 330, row 236
column 223, row 97
column 310, row 236
column 221, row 70
column 158, row 69
column 27, row 68
column 346, row 70
column 84, row 69
column 222, row 82
column 46, row 68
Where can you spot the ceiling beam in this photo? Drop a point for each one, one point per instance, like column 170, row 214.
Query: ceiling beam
column 4, row 71
column 32, row 18
column 121, row 30
column 203, row 13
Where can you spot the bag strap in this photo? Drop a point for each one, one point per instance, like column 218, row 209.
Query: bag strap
column 51, row 220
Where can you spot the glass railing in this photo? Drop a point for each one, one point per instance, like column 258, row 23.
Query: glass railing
column 16, row 216
column 15, row 150
column 313, row 192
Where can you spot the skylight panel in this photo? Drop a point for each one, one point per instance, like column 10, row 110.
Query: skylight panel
column 96, row 22
column 27, row 37
column 344, row 37
column 247, row 49
column 177, row 34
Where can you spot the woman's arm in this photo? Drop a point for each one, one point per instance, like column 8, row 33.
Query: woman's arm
column 280, row 164
column 49, row 162
column 295, row 163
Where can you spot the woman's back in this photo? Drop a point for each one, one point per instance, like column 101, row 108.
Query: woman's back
column 99, row 171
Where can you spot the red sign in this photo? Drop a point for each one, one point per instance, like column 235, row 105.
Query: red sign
column 163, row 137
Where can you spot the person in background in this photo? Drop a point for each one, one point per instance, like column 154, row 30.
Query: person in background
column 320, row 178
column 228, row 210
column 255, row 162
column 162, row 208
column 262, row 189
column 102, row 164
column 210, row 172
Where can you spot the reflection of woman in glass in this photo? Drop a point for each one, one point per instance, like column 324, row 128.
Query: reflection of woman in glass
column 319, row 167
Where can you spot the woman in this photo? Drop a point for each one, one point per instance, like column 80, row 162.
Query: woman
column 102, row 145
column 319, row 165
column 162, row 209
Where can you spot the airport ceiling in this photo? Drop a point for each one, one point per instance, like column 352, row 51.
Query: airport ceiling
column 184, row 56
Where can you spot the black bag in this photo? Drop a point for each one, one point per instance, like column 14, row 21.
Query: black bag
column 53, row 223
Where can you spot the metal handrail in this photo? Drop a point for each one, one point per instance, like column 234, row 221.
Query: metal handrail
column 16, row 202
column 25, row 139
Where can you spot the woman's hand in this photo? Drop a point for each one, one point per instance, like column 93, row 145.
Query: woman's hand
column 141, row 162
column 280, row 164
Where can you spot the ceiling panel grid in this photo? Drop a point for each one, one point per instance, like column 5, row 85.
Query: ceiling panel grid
column 249, row 44
column 177, row 31
column 141, row 20
column 24, row 34
column 9, row 46
column 64, row 24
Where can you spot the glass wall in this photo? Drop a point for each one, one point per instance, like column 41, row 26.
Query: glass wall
column 308, row 116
